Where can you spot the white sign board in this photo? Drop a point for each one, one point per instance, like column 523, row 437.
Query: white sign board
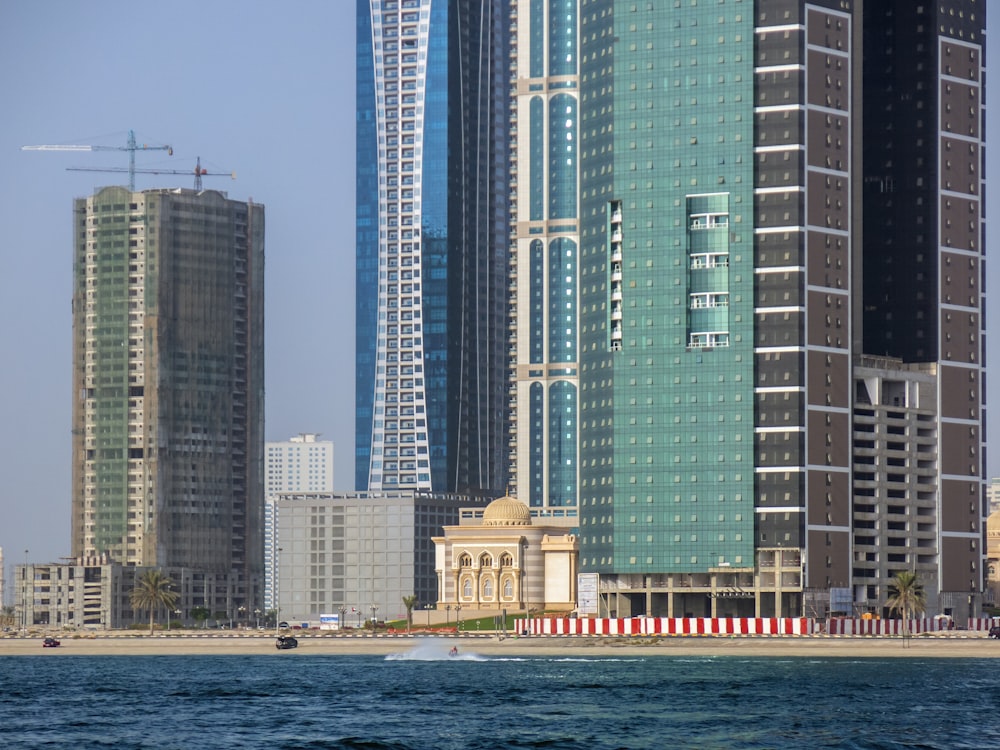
column 329, row 622
column 586, row 588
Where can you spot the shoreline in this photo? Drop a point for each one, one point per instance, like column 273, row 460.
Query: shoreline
column 976, row 646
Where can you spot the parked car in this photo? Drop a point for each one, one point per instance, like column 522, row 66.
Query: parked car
column 283, row 625
column 285, row 642
column 50, row 642
column 995, row 631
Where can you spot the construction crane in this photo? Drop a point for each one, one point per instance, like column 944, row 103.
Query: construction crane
column 198, row 172
column 131, row 146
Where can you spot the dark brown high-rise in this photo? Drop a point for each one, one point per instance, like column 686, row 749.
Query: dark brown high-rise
column 924, row 296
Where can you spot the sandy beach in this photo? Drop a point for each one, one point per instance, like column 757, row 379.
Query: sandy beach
column 965, row 645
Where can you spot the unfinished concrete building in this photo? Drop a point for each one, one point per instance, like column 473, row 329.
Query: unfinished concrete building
column 168, row 385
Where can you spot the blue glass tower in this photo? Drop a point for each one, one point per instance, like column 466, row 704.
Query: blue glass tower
column 544, row 279
column 431, row 245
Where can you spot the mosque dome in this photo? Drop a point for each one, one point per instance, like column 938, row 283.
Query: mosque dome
column 506, row 511
column 992, row 523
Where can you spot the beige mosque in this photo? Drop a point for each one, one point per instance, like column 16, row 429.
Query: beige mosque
column 504, row 559
column 993, row 558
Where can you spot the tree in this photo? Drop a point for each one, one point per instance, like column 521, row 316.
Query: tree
column 152, row 591
column 409, row 602
column 8, row 616
column 907, row 597
column 200, row 614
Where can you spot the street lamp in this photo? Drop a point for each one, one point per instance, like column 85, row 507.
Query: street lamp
column 277, row 578
column 24, row 595
column 342, row 622
column 242, row 611
column 458, row 617
column 428, row 608
column 374, row 618
column 256, row 614
column 447, row 614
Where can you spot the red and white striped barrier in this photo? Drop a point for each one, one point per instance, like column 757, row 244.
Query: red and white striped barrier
column 721, row 626
column 858, row 626
column 672, row 626
column 983, row 623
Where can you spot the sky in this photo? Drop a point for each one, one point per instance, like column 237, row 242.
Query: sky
column 265, row 90
column 262, row 89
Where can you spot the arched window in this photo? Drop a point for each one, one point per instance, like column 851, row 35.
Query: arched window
column 508, row 589
column 487, row 589
column 486, row 561
column 467, row 588
column 465, row 561
column 506, row 561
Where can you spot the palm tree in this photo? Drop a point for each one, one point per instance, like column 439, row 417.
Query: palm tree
column 409, row 602
column 7, row 616
column 906, row 596
column 152, row 591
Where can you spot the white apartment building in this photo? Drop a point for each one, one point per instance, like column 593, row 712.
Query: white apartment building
column 301, row 464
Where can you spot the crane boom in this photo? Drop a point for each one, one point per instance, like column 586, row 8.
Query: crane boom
column 131, row 146
column 198, row 172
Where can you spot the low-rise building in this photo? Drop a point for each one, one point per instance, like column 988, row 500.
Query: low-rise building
column 94, row 593
column 356, row 555
column 507, row 560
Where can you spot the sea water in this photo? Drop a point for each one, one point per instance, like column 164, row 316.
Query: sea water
column 422, row 698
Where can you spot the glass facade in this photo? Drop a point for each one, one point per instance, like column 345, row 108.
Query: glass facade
column 431, row 249
column 667, row 280
column 545, row 282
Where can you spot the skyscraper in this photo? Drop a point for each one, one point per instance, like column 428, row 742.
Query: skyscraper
column 432, row 223
column 746, row 228
column 546, row 255
column 168, row 387
column 923, row 271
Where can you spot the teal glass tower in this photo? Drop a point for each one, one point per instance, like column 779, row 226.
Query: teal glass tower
column 544, row 451
column 431, row 274
column 716, row 172
column 667, row 289
column 772, row 422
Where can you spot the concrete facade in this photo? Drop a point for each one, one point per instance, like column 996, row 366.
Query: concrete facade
column 300, row 464
column 95, row 594
column 168, row 385
column 347, row 554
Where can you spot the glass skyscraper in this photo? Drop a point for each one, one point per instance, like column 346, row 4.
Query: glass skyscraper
column 432, row 223
column 780, row 324
column 667, row 287
column 545, row 263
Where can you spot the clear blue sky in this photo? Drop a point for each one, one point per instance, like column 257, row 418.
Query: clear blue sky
column 262, row 89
